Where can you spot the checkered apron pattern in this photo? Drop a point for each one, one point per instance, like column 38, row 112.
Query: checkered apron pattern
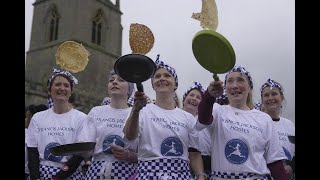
column 158, row 169
column 119, row 170
column 228, row 175
column 94, row 171
column 46, row 172
column 122, row 170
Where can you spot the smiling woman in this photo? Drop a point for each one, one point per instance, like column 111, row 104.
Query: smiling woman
column 60, row 124
column 272, row 96
column 239, row 133
column 171, row 127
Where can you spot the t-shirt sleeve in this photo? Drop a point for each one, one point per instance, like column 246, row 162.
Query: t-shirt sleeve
column 32, row 133
column 199, row 126
column 86, row 131
column 274, row 151
column 193, row 134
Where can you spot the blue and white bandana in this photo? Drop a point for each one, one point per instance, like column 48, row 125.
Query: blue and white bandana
column 107, row 101
column 50, row 102
column 223, row 96
column 196, row 85
column 257, row 105
column 171, row 70
column 242, row 71
column 68, row 74
column 57, row 72
column 130, row 101
column 271, row 83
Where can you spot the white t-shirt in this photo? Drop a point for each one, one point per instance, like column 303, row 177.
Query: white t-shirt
column 285, row 128
column 26, row 153
column 205, row 142
column 109, row 123
column 242, row 141
column 165, row 133
column 49, row 129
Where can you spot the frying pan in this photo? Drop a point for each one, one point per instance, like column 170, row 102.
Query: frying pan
column 213, row 52
column 135, row 68
column 292, row 139
column 72, row 149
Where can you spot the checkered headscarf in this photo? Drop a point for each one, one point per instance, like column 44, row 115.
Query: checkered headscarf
column 66, row 73
column 271, row 83
column 223, row 96
column 131, row 85
column 50, row 102
column 196, row 85
column 131, row 101
column 107, row 101
column 171, row 70
column 257, row 105
column 57, row 72
column 242, row 71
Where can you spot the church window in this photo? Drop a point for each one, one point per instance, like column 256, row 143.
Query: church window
column 54, row 25
column 97, row 28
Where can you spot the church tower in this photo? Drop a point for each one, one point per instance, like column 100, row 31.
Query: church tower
column 96, row 24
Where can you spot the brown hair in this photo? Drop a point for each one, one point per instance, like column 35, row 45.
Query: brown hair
column 49, row 83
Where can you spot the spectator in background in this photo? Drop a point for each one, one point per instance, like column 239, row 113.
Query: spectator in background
column 190, row 102
column 272, row 96
column 31, row 110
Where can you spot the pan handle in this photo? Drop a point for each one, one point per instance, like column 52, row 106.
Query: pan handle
column 139, row 86
column 215, row 77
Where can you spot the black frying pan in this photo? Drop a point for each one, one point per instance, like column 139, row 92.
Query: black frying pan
column 213, row 52
column 135, row 68
column 72, row 149
column 292, row 139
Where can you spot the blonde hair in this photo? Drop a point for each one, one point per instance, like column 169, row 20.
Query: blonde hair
column 250, row 100
column 176, row 100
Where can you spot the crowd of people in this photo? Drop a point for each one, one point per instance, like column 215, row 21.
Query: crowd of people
column 217, row 134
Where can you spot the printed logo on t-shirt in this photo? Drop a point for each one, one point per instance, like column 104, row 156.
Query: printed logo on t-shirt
column 167, row 176
column 287, row 153
column 236, row 151
column 171, row 146
column 49, row 156
column 111, row 140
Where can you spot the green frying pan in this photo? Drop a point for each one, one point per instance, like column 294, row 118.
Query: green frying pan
column 213, row 52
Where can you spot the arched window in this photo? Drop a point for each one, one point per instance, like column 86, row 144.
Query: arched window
column 97, row 28
column 54, row 24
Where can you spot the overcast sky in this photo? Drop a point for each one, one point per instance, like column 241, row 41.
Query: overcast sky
column 262, row 33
